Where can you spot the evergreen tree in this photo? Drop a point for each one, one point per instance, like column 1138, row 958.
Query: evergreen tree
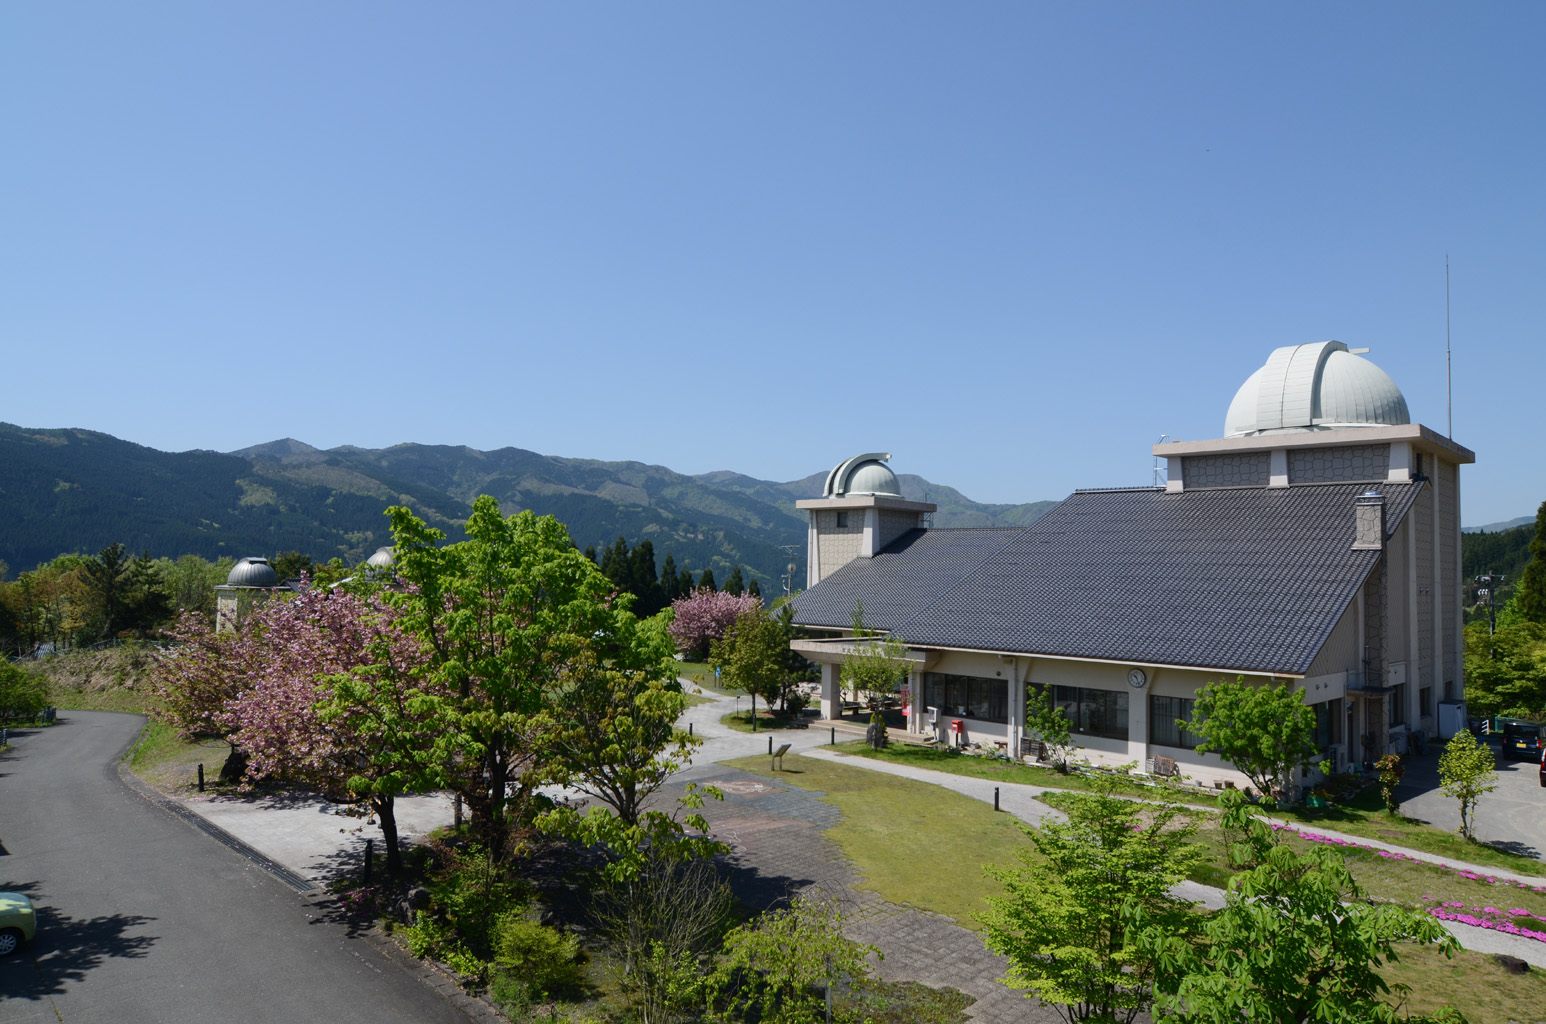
column 754, row 590
column 642, row 581
column 614, row 564
column 1530, row 595
column 684, row 584
column 590, row 552
column 706, row 581
column 734, row 584
column 669, row 585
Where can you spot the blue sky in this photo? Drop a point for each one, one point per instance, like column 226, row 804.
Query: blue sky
column 1012, row 243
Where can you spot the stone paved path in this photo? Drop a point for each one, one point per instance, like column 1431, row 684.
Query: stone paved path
column 777, row 832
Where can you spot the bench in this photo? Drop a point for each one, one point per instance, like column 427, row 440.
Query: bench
column 778, row 757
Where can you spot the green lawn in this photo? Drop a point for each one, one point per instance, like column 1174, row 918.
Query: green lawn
column 943, row 759
column 919, row 845
column 170, row 763
column 1365, row 816
column 700, row 674
column 912, row 843
column 741, row 721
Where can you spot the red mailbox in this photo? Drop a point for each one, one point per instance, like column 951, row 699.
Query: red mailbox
column 957, row 726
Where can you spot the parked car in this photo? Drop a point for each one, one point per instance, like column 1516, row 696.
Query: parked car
column 1543, row 768
column 1522, row 739
column 18, row 922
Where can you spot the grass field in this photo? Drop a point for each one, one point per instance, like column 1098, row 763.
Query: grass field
column 887, row 822
column 919, row 845
column 1365, row 816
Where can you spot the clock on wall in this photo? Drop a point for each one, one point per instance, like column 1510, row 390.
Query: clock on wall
column 1136, row 678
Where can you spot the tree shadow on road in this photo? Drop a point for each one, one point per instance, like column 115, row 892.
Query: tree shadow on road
column 68, row 948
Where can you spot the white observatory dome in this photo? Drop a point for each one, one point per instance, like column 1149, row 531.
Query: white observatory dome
column 1319, row 386
column 863, row 474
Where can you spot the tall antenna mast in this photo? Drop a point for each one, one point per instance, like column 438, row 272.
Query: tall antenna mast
column 1449, row 376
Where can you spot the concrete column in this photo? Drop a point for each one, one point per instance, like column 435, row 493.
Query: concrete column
column 1016, row 708
column 868, row 544
column 1138, row 722
column 915, row 713
column 1277, row 473
column 831, row 700
column 812, row 554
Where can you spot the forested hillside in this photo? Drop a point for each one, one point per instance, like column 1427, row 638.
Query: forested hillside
column 80, row 491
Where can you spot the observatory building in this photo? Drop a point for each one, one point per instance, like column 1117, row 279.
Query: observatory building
column 250, row 582
column 1316, row 543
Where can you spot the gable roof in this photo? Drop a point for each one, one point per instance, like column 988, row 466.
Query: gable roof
column 1248, row 579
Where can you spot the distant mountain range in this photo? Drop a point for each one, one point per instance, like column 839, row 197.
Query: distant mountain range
column 1498, row 527
column 78, row 490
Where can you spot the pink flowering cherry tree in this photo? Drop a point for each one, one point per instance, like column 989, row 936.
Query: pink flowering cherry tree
column 703, row 616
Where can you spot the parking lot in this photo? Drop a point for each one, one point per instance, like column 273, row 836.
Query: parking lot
column 1509, row 817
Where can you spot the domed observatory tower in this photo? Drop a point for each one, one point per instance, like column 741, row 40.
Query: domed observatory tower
column 250, row 582
column 1321, row 414
column 860, row 511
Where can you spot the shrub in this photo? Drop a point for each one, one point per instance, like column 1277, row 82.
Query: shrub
column 546, row 961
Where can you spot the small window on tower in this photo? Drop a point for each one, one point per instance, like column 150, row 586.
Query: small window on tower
column 842, row 520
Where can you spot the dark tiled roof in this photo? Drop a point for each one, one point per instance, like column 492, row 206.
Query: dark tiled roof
column 901, row 579
column 1251, row 579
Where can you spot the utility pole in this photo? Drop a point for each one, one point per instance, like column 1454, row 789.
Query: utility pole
column 1491, row 580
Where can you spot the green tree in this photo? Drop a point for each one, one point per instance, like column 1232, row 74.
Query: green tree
column 734, row 584
column 751, row 656
column 1530, row 594
column 124, row 594
column 1062, row 920
column 292, row 565
column 1505, row 672
column 669, row 581
column 1267, row 732
column 611, row 733
column 1049, row 724
column 876, row 665
column 502, row 616
column 1296, row 941
column 642, row 581
column 754, row 589
column 23, row 694
column 1467, row 770
column 706, row 581
column 780, row 967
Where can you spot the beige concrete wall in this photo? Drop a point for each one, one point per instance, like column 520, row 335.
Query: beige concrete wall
column 837, row 546
column 1340, row 652
column 893, row 524
column 1448, row 577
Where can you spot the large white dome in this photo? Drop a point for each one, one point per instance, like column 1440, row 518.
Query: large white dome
column 1319, row 386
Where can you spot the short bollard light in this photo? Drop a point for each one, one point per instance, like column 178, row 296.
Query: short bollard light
column 370, row 849
column 770, row 744
column 832, row 739
column 995, row 798
column 201, row 777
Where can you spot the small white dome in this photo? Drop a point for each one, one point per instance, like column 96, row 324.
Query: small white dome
column 252, row 572
column 1320, row 386
column 382, row 559
column 863, row 474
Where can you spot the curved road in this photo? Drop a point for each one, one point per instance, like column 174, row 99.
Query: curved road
column 143, row 918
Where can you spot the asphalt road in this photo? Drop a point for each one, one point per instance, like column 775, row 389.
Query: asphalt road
column 1513, row 816
column 143, row 918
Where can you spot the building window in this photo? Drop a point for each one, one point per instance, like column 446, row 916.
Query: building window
column 1093, row 712
column 1398, row 704
column 1328, row 723
column 986, row 700
column 1425, row 702
column 1165, row 717
column 842, row 520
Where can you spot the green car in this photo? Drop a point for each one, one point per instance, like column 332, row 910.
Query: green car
column 18, row 923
